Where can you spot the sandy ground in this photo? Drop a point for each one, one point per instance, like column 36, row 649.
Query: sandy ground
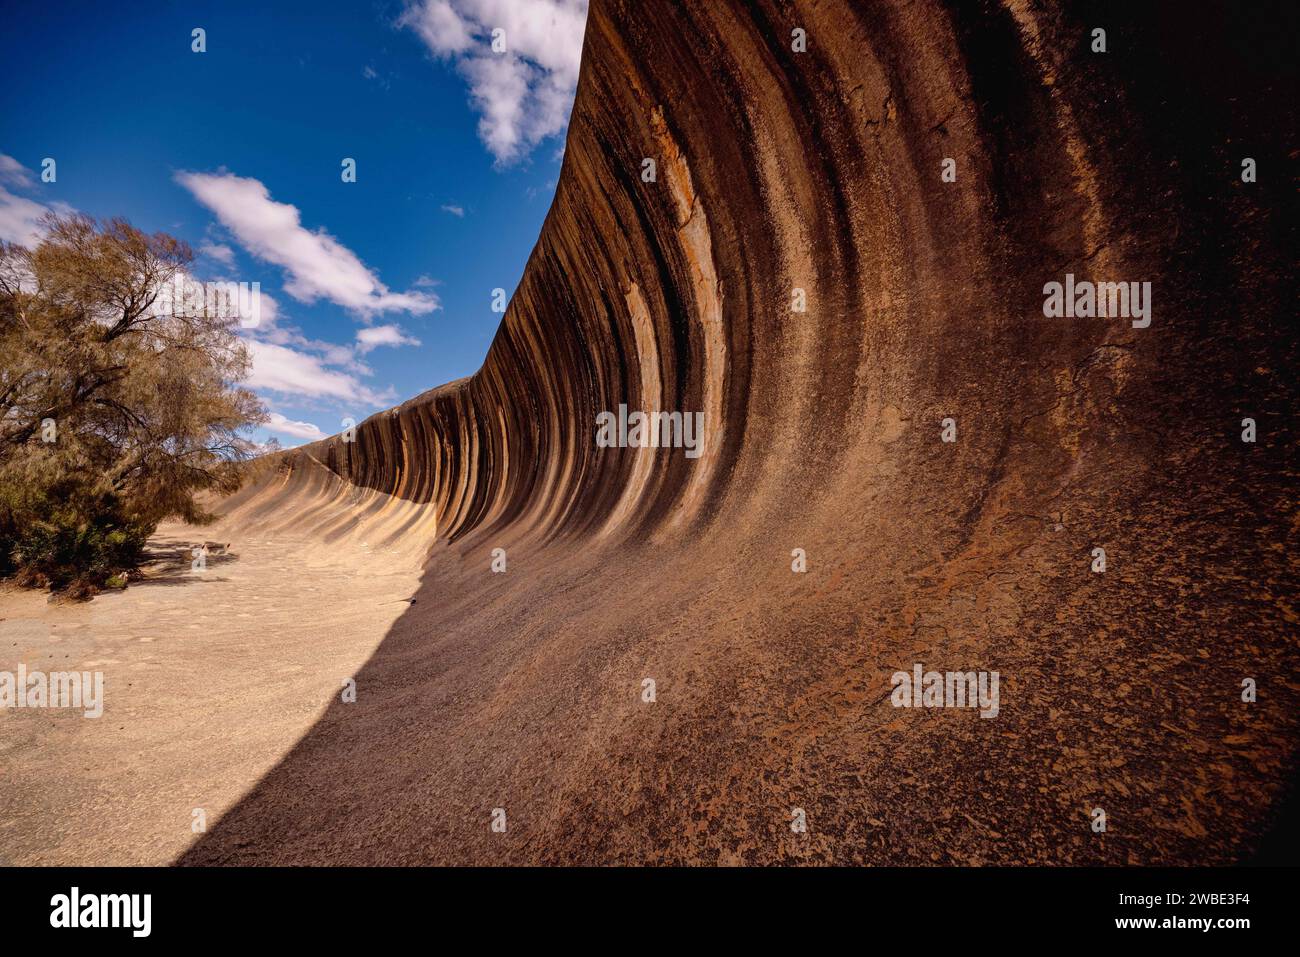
column 209, row 678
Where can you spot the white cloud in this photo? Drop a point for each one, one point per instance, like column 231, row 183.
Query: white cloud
column 454, row 210
column 375, row 336
column 383, row 81
column 440, row 27
column 287, row 363
column 268, row 312
column 287, row 371
column 299, row 430
column 15, row 173
column 20, row 217
column 284, row 361
column 317, row 265
column 290, row 363
column 524, row 94
column 219, row 252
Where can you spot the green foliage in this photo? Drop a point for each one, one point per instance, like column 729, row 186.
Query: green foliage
column 115, row 414
column 65, row 551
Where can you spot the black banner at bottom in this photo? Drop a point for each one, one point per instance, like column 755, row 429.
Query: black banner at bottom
column 331, row 906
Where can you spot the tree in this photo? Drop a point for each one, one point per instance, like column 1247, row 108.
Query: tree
column 119, row 403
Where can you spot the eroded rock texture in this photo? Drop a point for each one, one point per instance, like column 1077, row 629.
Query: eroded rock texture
column 822, row 170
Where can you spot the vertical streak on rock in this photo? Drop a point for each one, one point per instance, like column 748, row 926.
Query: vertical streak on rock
column 651, row 391
column 705, row 302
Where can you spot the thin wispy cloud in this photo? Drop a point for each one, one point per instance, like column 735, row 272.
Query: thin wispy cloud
column 454, row 210
column 14, row 173
column 282, row 425
column 375, row 336
column 317, row 266
column 382, row 80
column 290, row 372
column 20, row 216
column 291, row 364
column 20, row 219
column 524, row 94
column 218, row 252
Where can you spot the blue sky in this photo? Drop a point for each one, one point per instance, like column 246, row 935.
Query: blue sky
column 373, row 291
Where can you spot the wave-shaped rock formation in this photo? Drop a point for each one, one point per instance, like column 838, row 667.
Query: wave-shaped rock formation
column 824, row 431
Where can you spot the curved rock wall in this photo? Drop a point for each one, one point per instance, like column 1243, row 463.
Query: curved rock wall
column 821, row 171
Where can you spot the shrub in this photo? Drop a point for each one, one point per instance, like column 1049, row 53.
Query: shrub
column 115, row 413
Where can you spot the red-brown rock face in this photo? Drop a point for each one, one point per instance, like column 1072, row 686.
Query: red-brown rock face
column 816, row 178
